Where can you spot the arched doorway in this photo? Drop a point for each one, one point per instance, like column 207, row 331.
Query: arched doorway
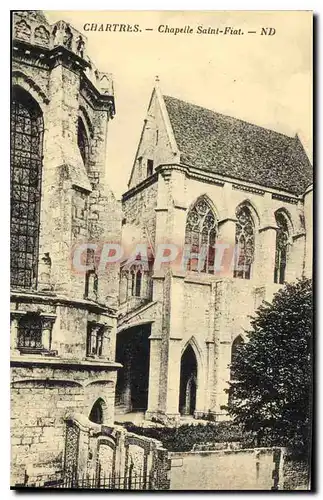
column 97, row 412
column 188, row 382
column 133, row 351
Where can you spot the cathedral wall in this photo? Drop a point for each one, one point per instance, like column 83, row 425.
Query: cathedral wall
column 197, row 312
column 140, row 216
column 76, row 203
column 58, row 362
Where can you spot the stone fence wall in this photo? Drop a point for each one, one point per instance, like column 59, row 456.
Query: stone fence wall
column 101, row 452
column 245, row 469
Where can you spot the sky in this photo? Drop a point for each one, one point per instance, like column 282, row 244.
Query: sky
column 266, row 80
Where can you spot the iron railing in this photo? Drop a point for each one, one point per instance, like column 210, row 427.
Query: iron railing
column 133, row 481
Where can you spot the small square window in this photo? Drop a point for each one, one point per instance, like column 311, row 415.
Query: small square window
column 30, row 332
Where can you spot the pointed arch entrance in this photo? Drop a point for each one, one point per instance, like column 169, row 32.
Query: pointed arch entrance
column 133, row 352
column 188, row 382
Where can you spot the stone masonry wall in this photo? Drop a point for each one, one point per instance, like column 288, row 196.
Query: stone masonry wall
column 40, row 400
column 154, row 142
column 69, row 330
column 296, row 475
column 77, row 206
column 140, row 214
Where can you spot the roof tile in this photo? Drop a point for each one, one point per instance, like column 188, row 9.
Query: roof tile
column 234, row 148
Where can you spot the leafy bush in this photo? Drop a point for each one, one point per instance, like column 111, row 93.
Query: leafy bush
column 184, row 437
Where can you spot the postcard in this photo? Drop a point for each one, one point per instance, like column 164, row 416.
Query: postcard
column 161, row 250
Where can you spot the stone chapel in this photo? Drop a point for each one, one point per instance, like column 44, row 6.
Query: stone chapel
column 199, row 177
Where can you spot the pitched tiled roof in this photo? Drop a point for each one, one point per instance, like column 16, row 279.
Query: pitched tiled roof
column 228, row 146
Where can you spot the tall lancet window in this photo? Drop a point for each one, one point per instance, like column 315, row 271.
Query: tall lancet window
column 236, row 347
column 25, row 189
column 282, row 237
column 200, row 235
column 245, row 243
column 83, row 143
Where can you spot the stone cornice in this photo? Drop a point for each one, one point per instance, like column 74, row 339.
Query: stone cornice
column 214, row 178
column 57, row 300
column 286, row 199
column 94, row 97
column 248, row 189
column 47, row 59
column 23, row 52
column 45, row 316
column 205, row 178
column 73, row 364
column 169, row 167
column 142, row 185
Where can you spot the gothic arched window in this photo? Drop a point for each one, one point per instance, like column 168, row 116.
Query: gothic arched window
column 25, row 184
column 236, row 347
column 282, row 237
column 136, row 279
column 83, row 142
column 245, row 243
column 200, row 235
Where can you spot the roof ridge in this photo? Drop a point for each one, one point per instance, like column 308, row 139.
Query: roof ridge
column 232, row 117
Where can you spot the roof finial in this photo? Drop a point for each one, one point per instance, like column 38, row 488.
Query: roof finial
column 157, row 82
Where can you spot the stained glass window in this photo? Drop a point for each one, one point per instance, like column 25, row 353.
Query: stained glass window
column 200, row 235
column 26, row 172
column 83, row 143
column 282, row 236
column 245, row 243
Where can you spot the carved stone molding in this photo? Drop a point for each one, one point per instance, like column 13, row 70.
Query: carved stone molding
column 248, row 189
column 282, row 197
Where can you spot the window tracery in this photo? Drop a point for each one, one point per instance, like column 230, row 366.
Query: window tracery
column 245, row 243
column 200, row 234
column 26, row 173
